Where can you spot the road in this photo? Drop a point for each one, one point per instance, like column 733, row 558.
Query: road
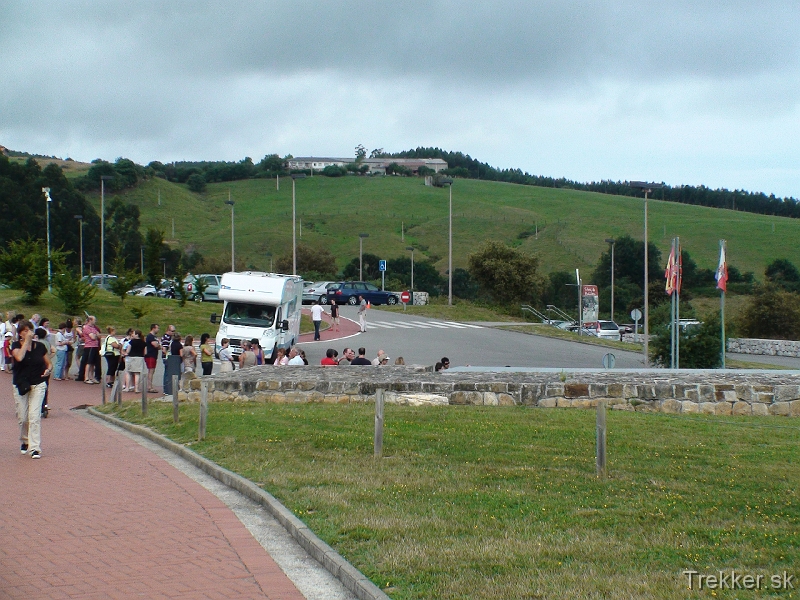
column 421, row 340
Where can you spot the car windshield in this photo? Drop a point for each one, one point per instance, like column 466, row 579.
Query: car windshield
column 253, row 315
column 608, row 325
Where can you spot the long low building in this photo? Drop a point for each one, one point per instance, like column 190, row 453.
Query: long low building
column 377, row 166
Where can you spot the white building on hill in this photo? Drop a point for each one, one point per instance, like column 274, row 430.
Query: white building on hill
column 377, row 166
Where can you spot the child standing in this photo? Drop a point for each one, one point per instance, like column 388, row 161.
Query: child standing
column 62, row 345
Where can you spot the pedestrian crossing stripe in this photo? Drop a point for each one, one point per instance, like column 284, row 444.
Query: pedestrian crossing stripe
column 422, row 325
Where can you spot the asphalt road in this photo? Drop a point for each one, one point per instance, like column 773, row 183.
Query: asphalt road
column 420, row 340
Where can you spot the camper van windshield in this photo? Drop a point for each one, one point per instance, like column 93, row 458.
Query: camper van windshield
column 253, row 315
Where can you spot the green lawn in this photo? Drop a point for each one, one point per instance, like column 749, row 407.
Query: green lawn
column 398, row 212
column 489, row 503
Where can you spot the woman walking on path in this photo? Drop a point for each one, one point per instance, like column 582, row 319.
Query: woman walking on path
column 189, row 355
column 206, row 354
column 31, row 370
column 335, row 315
column 174, row 362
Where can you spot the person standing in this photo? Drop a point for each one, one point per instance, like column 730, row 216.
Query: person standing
column 31, row 370
column 111, row 352
column 189, row 355
column 258, row 351
column 361, row 359
column 206, row 354
column 295, row 358
column 59, row 371
column 247, row 358
column 90, row 361
column 134, row 362
column 335, row 315
column 348, row 354
column 316, row 317
column 166, row 344
column 174, row 361
column 152, row 348
column 362, row 313
column 226, row 357
column 329, row 360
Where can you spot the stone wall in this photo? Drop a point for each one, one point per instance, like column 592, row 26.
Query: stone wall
column 764, row 347
column 653, row 390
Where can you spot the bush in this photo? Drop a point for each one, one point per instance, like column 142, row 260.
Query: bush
column 771, row 313
column 700, row 347
column 74, row 293
column 23, row 266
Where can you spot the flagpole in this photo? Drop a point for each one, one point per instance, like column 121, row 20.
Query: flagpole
column 672, row 308
column 678, row 282
column 723, row 252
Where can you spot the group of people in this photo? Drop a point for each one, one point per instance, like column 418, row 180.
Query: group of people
column 349, row 357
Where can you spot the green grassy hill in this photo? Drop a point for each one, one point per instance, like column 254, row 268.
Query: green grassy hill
column 572, row 225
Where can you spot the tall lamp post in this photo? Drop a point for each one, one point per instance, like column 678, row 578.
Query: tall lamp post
column 412, row 265
column 233, row 246
column 80, row 235
column 613, row 242
column 361, row 237
column 46, row 191
column 295, row 176
column 449, row 183
column 141, row 259
column 648, row 188
column 103, row 179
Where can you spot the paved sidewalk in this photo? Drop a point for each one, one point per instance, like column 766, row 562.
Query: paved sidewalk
column 99, row 516
column 347, row 328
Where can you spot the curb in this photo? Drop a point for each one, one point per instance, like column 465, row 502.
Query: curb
column 332, row 561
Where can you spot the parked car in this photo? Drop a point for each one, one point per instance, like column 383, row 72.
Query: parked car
column 347, row 292
column 211, row 292
column 313, row 291
column 100, row 281
column 608, row 330
column 165, row 291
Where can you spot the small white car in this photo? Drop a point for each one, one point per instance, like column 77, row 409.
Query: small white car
column 313, row 291
column 608, row 330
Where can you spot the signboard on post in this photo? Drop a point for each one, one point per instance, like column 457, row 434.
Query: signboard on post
column 589, row 303
column 382, row 269
column 405, row 298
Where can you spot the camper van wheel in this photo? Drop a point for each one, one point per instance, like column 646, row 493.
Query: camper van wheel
column 352, row 300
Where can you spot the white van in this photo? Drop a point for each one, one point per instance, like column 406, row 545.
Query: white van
column 264, row 306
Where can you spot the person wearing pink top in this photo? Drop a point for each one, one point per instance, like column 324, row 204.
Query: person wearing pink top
column 91, row 351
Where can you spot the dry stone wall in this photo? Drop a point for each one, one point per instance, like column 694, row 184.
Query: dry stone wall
column 764, row 347
column 653, row 390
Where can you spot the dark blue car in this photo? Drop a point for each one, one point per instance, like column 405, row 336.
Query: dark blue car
column 347, row 292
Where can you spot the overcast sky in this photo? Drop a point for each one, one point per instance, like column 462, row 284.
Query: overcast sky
column 686, row 92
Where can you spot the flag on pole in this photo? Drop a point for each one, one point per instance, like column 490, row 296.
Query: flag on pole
column 722, row 269
column 678, row 269
column 671, row 271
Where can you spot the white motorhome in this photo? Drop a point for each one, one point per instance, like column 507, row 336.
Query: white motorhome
column 264, row 306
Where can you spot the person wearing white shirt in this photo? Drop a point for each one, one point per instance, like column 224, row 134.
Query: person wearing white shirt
column 295, row 358
column 316, row 317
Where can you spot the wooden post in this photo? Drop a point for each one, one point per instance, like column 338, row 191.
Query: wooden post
column 601, row 439
column 102, row 380
column 201, row 429
column 144, row 384
column 378, row 422
column 174, row 398
column 118, row 388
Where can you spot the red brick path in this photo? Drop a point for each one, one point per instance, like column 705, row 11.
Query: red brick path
column 99, row 516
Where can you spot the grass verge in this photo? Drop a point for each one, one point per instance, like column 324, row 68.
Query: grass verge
column 487, row 503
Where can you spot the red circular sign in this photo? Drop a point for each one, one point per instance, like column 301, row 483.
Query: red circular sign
column 405, row 297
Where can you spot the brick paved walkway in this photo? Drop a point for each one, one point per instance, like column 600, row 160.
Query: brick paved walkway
column 99, row 516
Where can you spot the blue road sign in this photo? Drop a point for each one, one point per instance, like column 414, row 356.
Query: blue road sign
column 381, row 265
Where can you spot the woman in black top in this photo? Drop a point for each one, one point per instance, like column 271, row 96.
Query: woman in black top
column 134, row 361
column 174, row 363
column 31, row 370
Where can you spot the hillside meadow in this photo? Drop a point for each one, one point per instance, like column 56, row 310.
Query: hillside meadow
column 398, row 212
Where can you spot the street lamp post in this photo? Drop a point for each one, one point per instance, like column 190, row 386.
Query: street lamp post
column 361, row 237
column 141, row 259
column 449, row 183
column 412, row 265
column 613, row 242
column 49, row 262
column 295, row 176
column 103, row 179
column 80, row 235
column 233, row 247
column 648, row 188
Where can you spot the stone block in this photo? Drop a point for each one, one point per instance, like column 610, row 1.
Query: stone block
column 415, row 399
column 554, row 390
column 646, row 392
column 786, row 393
column 691, row 394
column 723, row 408
column 615, row 390
column 458, row 398
column 761, row 410
column 194, row 384
column 498, row 387
column 680, row 389
column 547, row 402
column 706, row 393
column 530, row 394
column 664, row 391
column 742, row 408
column 584, row 403
column 287, row 385
column 598, row 390
column 576, row 390
column 725, row 396
column 795, row 411
column 671, row 406
column 724, row 387
column 708, row 408
column 322, row 386
column 687, row 406
column 315, row 397
column 277, row 397
column 505, row 400
column 780, row 409
column 623, row 406
column 630, row 390
column 490, row 399
column 563, row 402
column 262, row 385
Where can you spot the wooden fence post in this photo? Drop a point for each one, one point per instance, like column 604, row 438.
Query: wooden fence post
column 378, row 422
column 174, row 398
column 145, row 384
column 601, row 439
column 201, row 433
column 102, row 380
